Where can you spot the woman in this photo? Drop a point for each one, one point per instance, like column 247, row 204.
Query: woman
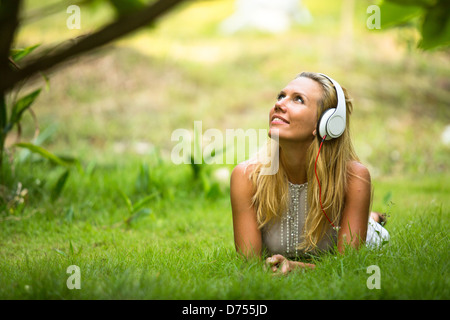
column 319, row 197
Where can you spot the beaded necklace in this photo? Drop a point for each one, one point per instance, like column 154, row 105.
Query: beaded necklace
column 291, row 218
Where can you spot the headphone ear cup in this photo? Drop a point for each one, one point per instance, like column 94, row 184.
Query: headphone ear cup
column 322, row 124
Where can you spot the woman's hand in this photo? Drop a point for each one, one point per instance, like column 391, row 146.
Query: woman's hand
column 280, row 265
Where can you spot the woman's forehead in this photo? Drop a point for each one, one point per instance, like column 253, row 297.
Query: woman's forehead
column 306, row 86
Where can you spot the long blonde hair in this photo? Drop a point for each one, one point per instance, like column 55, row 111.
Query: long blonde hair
column 271, row 192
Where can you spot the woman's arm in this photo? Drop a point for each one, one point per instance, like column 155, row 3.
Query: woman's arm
column 355, row 217
column 247, row 236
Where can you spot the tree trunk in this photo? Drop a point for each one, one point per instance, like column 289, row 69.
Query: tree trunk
column 3, row 121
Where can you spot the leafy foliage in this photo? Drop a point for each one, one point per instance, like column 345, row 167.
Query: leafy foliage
column 11, row 117
column 124, row 7
column 432, row 18
column 136, row 210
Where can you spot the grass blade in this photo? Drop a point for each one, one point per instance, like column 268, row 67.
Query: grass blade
column 44, row 153
column 57, row 189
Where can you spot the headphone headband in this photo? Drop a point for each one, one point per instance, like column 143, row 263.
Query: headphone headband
column 333, row 121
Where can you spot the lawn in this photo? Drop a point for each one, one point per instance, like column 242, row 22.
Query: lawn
column 184, row 250
column 140, row 227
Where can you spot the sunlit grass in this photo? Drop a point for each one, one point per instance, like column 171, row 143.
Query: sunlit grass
column 184, row 248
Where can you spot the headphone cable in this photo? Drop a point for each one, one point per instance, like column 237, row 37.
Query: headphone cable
column 320, row 188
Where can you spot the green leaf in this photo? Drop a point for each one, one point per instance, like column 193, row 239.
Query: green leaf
column 43, row 152
column 138, row 205
column 434, row 16
column 436, row 27
column 127, row 201
column 70, row 247
column 124, row 7
column 61, row 252
column 138, row 215
column 20, row 106
column 71, row 161
column 393, row 14
column 18, row 54
column 60, row 183
column 43, row 136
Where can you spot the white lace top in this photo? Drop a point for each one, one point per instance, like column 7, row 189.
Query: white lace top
column 282, row 236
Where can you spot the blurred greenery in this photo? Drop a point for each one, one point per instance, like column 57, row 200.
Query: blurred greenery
column 431, row 17
column 136, row 93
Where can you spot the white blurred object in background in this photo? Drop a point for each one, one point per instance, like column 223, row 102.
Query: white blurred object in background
column 273, row 16
column 222, row 175
column 445, row 137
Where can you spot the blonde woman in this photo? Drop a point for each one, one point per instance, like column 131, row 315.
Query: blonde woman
column 320, row 196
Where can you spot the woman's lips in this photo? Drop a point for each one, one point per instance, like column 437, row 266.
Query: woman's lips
column 278, row 120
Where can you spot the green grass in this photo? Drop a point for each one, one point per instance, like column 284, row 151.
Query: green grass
column 184, row 249
column 159, row 80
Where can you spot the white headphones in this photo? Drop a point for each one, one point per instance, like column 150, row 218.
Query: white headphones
column 332, row 123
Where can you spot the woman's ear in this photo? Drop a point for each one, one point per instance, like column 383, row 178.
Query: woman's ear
column 314, row 132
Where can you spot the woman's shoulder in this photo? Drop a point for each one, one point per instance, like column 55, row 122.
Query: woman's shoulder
column 357, row 169
column 241, row 186
column 243, row 169
column 241, row 175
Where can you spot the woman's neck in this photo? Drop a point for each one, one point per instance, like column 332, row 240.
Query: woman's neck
column 294, row 160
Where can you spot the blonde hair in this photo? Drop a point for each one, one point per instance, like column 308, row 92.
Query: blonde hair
column 271, row 192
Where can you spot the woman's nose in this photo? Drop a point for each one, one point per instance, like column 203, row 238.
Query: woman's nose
column 280, row 105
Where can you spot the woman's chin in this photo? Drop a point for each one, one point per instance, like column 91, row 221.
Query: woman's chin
column 274, row 133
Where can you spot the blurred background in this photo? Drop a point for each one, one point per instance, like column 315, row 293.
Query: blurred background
column 214, row 61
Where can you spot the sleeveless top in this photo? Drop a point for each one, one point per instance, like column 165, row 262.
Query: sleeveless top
column 282, row 236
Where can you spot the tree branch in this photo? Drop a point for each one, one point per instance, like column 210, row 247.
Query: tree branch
column 113, row 31
column 9, row 20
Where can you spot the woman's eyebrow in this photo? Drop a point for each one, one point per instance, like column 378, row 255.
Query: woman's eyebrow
column 302, row 95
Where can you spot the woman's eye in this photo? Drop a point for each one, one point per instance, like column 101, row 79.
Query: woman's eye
column 280, row 96
column 298, row 99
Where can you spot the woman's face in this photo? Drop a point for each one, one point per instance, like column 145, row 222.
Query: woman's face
column 295, row 111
